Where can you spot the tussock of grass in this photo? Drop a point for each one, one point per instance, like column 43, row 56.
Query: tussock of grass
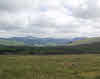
column 50, row 67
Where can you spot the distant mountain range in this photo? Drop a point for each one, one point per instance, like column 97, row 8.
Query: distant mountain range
column 34, row 41
column 34, row 45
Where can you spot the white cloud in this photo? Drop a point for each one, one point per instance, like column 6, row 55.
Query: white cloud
column 50, row 18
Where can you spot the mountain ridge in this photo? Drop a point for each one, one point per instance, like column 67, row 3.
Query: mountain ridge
column 39, row 41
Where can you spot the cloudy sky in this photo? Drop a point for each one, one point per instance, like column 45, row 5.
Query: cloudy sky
column 50, row 18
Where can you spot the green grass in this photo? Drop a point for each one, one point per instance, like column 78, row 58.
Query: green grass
column 11, row 43
column 85, row 41
column 50, row 67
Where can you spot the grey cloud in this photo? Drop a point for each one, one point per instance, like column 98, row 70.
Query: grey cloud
column 21, row 17
column 13, row 5
column 90, row 12
column 7, row 27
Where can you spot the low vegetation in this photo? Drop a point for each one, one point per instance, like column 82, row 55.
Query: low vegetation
column 33, row 50
column 85, row 41
column 11, row 43
column 50, row 67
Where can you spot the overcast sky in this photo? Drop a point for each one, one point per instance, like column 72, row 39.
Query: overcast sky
column 50, row 18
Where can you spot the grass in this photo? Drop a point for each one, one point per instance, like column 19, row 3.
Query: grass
column 85, row 41
column 11, row 43
column 50, row 67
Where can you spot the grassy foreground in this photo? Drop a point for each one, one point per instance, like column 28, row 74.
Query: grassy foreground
column 50, row 67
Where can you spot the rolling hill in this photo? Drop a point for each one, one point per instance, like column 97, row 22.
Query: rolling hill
column 88, row 45
column 11, row 43
column 85, row 41
column 34, row 41
column 75, row 46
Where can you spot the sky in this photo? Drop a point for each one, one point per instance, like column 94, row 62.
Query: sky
column 50, row 18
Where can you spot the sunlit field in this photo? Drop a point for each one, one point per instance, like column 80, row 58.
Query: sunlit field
column 50, row 67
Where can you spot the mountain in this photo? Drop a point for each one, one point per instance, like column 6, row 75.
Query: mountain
column 35, row 41
column 63, row 46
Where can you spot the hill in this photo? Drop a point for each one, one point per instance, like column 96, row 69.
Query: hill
column 88, row 45
column 34, row 41
column 81, row 46
column 85, row 41
column 11, row 42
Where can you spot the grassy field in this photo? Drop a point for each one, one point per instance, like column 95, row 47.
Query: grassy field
column 50, row 67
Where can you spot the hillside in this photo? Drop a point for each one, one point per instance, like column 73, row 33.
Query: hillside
column 85, row 41
column 34, row 41
column 86, row 45
column 11, row 43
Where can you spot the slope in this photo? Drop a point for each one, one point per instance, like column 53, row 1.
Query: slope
column 11, row 43
column 85, row 41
